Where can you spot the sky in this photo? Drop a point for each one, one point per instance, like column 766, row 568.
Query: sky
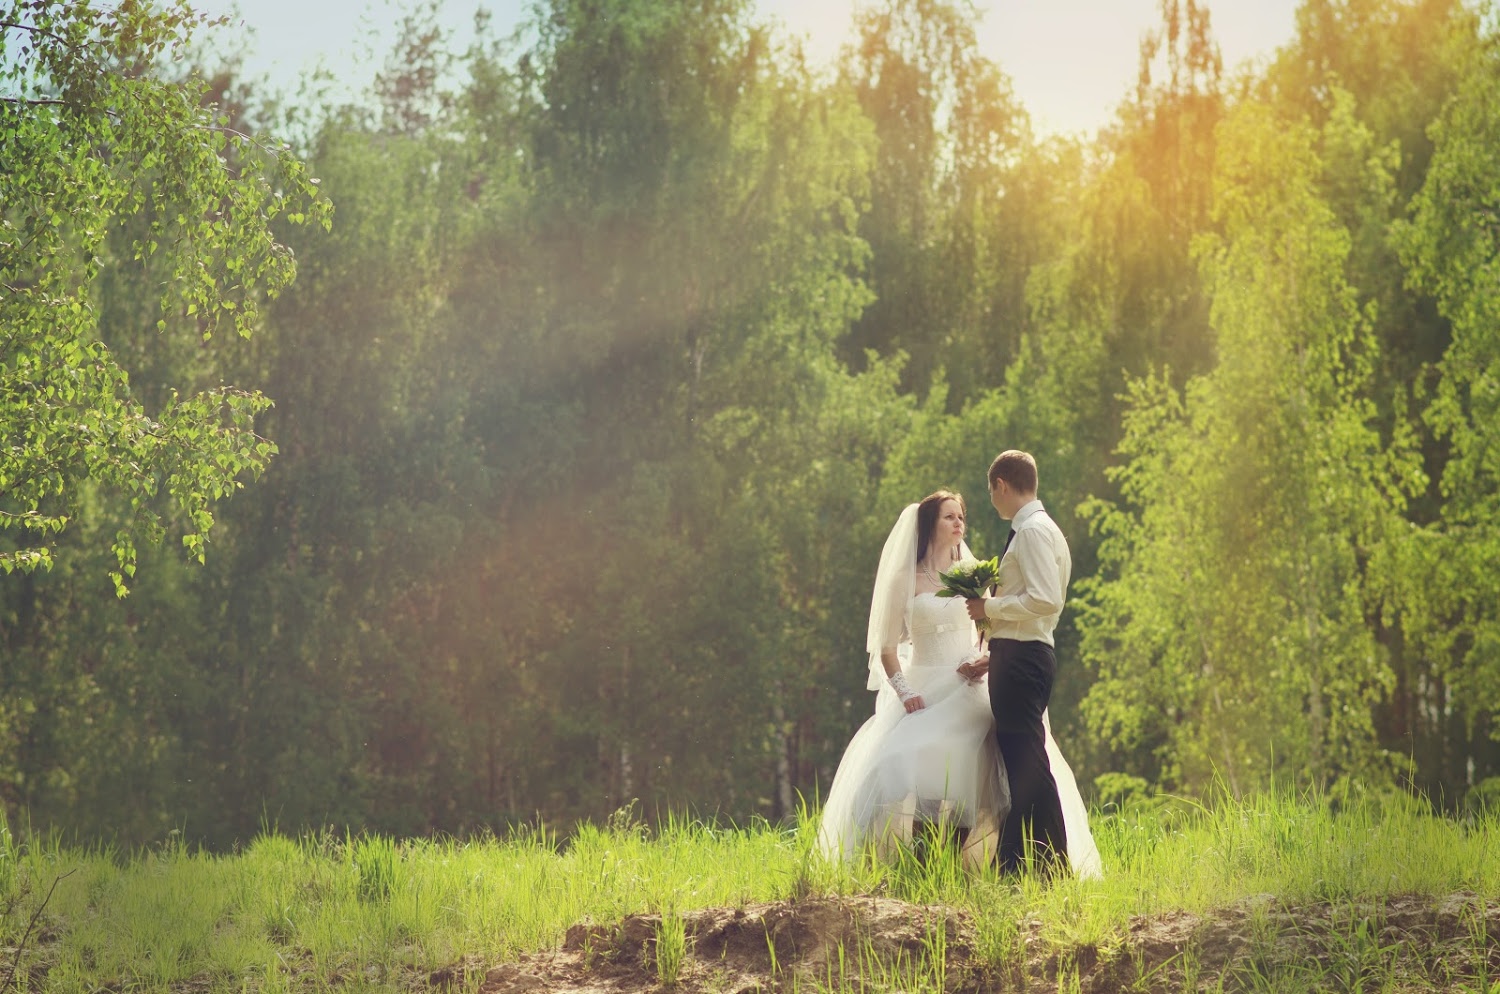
column 1071, row 61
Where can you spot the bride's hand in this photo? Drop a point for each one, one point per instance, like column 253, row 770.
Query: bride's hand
column 913, row 705
column 975, row 669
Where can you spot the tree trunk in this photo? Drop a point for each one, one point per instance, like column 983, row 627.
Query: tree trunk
column 783, row 757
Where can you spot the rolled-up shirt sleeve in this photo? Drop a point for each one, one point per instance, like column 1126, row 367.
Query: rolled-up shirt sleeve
column 1041, row 593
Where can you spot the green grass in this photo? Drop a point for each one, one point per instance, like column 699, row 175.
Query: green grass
column 369, row 913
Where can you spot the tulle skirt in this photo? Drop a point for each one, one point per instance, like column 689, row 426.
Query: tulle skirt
column 939, row 766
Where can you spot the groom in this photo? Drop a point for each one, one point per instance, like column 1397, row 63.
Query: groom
column 1034, row 573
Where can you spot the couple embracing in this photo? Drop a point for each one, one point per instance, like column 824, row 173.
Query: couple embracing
column 960, row 745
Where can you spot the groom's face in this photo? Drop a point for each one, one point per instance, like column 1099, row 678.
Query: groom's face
column 1000, row 497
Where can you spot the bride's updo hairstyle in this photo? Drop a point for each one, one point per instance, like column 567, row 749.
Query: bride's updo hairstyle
column 927, row 515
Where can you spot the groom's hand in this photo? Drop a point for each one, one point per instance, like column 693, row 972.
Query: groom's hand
column 976, row 608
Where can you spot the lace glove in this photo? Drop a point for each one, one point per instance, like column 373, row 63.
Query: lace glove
column 901, row 687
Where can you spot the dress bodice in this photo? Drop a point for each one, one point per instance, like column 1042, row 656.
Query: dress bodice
column 941, row 632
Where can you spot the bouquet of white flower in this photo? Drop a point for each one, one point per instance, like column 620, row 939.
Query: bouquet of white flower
column 971, row 578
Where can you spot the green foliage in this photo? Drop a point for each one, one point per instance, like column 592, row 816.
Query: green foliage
column 1230, row 629
column 92, row 133
column 632, row 339
column 949, row 261
column 1453, row 252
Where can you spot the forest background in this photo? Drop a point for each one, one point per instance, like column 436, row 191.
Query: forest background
column 624, row 348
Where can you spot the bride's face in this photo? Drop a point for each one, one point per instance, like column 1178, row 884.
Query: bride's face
column 948, row 530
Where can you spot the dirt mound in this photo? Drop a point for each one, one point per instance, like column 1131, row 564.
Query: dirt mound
column 762, row 947
column 1406, row 943
column 1402, row 943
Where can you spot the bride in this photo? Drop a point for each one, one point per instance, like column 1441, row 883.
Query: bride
column 928, row 754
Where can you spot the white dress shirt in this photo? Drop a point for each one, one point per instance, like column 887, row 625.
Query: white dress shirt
column 1033, row 582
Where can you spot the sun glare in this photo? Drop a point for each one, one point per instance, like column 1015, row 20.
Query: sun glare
column 824, row 26
column 1071, row 61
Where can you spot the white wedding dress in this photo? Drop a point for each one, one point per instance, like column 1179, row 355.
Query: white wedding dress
column 939, row 764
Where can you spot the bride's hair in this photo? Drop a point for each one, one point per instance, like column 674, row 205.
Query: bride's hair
column 927, row 515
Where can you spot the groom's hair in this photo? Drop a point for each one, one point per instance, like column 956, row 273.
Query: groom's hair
column 1016, row 468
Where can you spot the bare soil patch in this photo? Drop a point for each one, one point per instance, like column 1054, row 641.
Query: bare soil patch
column 1400, row 944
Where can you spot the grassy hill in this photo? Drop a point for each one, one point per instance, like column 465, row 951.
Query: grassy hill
column 1272, row 892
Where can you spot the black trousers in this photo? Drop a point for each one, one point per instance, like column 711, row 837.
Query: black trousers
column 1021, row 675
